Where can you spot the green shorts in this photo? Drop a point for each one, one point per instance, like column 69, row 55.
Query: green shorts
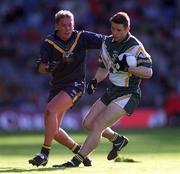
column 126, row 98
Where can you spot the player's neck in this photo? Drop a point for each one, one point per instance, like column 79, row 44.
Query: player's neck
column 123, row 39
column 65, row 39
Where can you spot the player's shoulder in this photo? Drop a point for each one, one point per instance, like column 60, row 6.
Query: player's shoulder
column 133, row 46
column 50, row 37
column 48, row 41
column 134, row 40
column 133, row 43
column 108, row 39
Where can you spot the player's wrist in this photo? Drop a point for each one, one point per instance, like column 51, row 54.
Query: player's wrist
column 91, row 86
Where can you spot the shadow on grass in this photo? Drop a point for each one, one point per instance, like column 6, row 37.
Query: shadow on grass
column 123, row 159
column 19, row 170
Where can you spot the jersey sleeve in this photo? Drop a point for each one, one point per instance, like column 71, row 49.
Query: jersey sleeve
column 100, row 62
column 143, row 58
column 92, row 40
column 45, row 52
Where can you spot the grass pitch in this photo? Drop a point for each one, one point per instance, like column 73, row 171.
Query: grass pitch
column 155, row 151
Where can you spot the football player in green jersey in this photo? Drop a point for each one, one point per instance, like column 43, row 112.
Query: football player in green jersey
column 123, row 96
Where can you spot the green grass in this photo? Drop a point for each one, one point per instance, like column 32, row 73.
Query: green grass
column 157, row 151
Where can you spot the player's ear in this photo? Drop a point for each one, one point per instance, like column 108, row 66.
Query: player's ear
column 128, row 28
column 73, row 26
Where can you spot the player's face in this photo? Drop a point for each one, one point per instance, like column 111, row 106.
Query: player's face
column 119, row 32
column 65, row 27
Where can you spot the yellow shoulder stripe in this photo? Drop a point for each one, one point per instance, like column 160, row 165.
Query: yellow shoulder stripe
column 61, row 49
column 141, row 50
column 138, row 51
column 55, row 45
column 129, row 50
column 75, row 42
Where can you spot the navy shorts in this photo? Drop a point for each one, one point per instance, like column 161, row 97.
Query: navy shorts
column 75, row 90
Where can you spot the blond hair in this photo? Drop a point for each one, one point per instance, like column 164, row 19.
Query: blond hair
column 62, row 14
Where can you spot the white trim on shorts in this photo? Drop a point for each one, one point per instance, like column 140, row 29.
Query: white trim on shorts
column 122, row 101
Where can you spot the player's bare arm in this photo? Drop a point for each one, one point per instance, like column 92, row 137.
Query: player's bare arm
column 101, row 74
column 141, row 71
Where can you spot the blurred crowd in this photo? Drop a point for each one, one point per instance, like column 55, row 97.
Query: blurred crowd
column 24, row 24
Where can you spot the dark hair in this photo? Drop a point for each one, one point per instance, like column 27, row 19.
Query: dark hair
column 62, row 14
column 121, row 18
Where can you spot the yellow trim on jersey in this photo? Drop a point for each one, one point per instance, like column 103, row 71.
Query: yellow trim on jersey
column 129, row 50
column 75, row 42
column 140, row 49
column 127, row 79
column 121, row 98
column 105, row 55
column 55, row 46
column 61, row 50
column 104, row 62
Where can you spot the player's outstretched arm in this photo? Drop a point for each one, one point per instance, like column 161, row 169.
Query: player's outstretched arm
column 101, row 74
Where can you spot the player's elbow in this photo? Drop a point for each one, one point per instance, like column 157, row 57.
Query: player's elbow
column 148, row 74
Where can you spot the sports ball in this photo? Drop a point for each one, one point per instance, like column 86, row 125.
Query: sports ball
column 131, row 60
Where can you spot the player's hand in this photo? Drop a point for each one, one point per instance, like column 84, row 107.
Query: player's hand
column 91, row 86
column 122, row 64
column 52, row 66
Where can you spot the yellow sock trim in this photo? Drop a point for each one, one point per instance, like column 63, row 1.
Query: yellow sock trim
column 47, row 147
column 74, row 146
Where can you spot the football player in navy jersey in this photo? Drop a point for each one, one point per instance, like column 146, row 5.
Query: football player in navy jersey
column 123, row 96
column 62, row 54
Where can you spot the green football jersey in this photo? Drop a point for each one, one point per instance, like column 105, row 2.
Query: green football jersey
column 111, row 51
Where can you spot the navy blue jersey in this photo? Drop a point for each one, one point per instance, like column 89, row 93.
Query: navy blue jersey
column 70, row 55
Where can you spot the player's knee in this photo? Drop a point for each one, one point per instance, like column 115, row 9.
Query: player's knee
column 49, row 111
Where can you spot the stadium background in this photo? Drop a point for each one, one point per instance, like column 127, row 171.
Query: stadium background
column 23, row 25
